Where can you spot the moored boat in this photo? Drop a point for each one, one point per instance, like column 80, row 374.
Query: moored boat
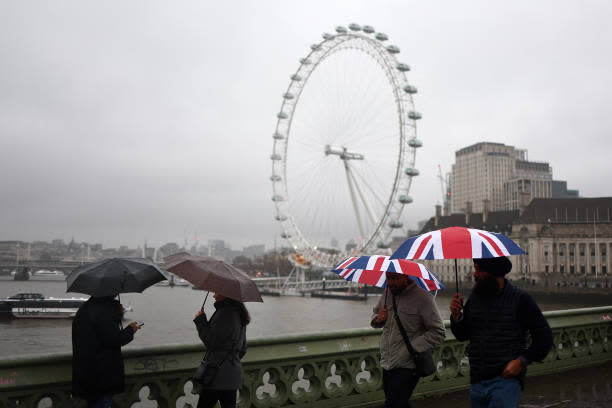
column 35, row 305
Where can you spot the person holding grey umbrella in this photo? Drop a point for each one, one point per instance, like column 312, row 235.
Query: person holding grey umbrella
column 224, row 336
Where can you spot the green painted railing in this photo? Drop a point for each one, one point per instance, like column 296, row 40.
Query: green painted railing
column 338, row 369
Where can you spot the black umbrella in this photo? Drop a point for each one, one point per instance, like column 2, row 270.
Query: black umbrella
column 113, row 276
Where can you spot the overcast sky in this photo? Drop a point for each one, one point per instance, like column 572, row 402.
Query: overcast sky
column 126, row 121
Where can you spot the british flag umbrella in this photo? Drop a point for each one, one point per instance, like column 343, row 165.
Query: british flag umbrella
column 371, row 271
column 457, row 243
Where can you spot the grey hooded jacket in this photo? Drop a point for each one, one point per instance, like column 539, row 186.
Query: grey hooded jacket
column 421, row 319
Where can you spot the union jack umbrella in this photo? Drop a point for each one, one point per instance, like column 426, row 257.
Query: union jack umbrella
column 371, row 271
column 457, row 243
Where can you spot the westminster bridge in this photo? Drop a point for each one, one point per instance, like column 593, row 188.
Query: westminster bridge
column 336, row 369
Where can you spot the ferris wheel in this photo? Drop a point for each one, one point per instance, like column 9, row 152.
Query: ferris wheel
column 344, row 147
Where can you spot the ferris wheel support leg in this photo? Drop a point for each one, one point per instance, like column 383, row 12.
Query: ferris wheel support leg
column 353, row 198
column 363, row 200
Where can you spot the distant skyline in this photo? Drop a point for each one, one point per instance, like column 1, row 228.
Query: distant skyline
column 125, row 122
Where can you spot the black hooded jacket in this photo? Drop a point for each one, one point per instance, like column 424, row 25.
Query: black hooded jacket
column 97, row 363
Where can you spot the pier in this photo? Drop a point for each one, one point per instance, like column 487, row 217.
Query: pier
column 335, row 369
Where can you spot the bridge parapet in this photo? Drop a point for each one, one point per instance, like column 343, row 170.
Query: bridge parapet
column 337, row 369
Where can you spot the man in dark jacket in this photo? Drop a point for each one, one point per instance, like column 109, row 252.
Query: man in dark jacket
column 97, row 364
column 496, row 320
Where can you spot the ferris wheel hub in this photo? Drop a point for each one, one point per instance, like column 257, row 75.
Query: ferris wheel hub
column 343, row 153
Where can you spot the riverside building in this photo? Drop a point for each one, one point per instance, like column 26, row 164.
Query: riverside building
column 567, row 241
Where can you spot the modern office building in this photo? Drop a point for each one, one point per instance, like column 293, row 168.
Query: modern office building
column 497, row 176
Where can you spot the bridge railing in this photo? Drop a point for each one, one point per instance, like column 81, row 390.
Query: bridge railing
column 337, row 369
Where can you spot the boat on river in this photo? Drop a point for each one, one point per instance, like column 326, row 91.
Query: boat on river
column 36, row 305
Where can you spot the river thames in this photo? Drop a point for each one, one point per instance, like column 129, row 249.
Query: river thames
column 167, row 313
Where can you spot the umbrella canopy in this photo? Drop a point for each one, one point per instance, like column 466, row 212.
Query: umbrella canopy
column 113, row 276
column 371, row 270
column 214, row 275
column 457, row 243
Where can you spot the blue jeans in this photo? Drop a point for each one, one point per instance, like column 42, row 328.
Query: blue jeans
column 102, row 402
column 496, row 392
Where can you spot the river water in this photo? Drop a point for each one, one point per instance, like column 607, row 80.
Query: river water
column 167, row 313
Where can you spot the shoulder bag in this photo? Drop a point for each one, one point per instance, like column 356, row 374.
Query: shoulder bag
column 423, row 361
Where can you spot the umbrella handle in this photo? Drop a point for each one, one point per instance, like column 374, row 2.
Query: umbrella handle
column 207, row 293
column 456, row 277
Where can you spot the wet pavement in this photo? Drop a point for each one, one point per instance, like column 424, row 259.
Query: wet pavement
column 581, row 388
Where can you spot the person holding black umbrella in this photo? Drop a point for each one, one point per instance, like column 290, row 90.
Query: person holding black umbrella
column 224, row 336
column 97, row 364
column 97, row 335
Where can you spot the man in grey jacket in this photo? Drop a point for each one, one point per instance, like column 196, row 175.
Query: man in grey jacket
column 421, row 319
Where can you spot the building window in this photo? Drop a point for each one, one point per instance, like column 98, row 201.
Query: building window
column 582, row 269
column 546, row 268
column 593, row 270
column 572, row 269
column 562, row 268
column 604, row 270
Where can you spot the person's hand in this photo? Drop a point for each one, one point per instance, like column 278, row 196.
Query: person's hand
column 200, row 312
column 456, row 306
column 381, row 317
column 135, row 326
column 513, row 368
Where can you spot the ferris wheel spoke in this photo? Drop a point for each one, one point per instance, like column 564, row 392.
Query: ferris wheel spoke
column 375, row 195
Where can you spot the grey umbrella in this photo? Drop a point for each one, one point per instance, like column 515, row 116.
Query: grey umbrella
column 214, row 275
column 113, row 276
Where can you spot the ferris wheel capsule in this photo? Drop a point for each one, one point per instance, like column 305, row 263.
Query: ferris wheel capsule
column 411, row 171
column 277, row 136
column 368, row 29
column 278, row 198
column 341, row 30
column 276, row 157
column 396, row 224
column 275, row 178
column 281, row 218
column 354, row 27
column 402, row 67
column 381, row 37
column 405, row 199
column 381, row 245
column 393, row 49
column 414, row 142
column 288, row 95
column 409, row 89
column 282, row 115
column 327, row 36
column 414, row 115
column 305, row 61
column 296, row 77
column 315, row 47
column 285, row 235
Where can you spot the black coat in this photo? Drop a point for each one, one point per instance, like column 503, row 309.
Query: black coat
column 224, row 336
column 97, row 363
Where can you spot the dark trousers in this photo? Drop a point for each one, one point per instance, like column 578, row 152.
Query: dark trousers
column 398, row 385
column 208, row 398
